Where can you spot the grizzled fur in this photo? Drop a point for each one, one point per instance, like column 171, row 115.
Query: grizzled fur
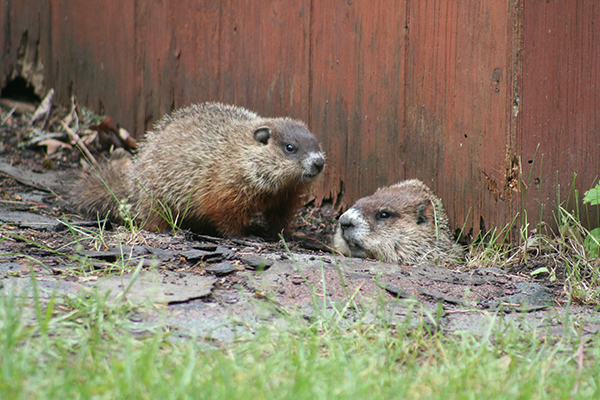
column 215, row 166
column 403, row 223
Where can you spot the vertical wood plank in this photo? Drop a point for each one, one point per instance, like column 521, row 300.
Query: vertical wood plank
column 92, row 55
column 154, row 62
column 177, row 56
column 459, row 99
column 24, row 43
column 264, row 50
column 196, row 49
column 560, row 123
column 252, row 54
column 357, row 94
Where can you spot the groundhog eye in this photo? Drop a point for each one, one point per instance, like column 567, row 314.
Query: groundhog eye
column 290, row 148
column 383, row 215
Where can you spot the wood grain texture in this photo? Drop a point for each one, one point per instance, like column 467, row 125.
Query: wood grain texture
column 249, row 53
column 264, row 56
column 463, row 95
column 458, row 100
column 560, row 98
column 24, row 42
column 357, row 94
column 91, row 55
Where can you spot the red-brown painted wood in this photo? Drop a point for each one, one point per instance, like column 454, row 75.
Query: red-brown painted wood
column 92, row 55
column 458, row 116
column 24, row 42
column 253, row 54
column 264, row 48
column 458, row 94
column 357, row 93
column 560, row 100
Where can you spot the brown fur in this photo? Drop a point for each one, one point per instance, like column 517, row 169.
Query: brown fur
column 397, row 224
column 215, row 164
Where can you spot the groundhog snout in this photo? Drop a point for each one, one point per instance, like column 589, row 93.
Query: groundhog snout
column 319, row 164
column 352, row 223
column 346, row 222
column 313, row 165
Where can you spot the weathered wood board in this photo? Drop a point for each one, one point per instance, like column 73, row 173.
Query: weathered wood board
column 463, row 95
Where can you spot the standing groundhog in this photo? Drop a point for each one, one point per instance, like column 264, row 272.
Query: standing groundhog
column 214, row 166
column 403, row 223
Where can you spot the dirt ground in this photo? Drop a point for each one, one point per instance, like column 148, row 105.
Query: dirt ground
column 220, row 288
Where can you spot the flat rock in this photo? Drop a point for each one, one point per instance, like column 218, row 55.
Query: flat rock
column 46, row 288
column 159, row 286
column 254, row 262
column 31, row 221
column 115, row 253
column 530, row 296
column 436, row 273
column 194, row 255
column 221, row 269
column 396, row 290
column 220, row 253
column 161, row 254
column 9, row 266
column 47, row 181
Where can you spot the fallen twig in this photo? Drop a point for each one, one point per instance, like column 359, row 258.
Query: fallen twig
column 75, row 137
column 12, row 110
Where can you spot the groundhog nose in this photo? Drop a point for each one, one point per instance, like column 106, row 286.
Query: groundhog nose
column 346, row 221
column 319, row 164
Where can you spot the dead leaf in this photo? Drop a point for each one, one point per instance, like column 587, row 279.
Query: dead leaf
column 89, row 139
column 53, row 145
column 90, row 278
column 128, row 140
column 107, row 134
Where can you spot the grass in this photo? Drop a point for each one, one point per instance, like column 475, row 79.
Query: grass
column 81, row 347
column 85, row 346
column 573, row 248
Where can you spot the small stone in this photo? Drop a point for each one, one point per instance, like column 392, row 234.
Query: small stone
column 396, row 290
column 205, row 246
column 223, row 253
column 110, row 255
column 195, row 255
column 254, row 262
column 161, row 254
column 221, row 269
column 31, row 221
column 134, row 251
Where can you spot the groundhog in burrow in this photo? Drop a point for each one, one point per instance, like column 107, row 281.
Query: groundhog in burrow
column 214, row 166
column 403, row 223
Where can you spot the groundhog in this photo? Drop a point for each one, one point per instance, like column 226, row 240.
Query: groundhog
column 211, row 167
column 403, row 223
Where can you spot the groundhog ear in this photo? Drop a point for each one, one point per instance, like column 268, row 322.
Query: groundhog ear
column 424, row 212
column 262, row 134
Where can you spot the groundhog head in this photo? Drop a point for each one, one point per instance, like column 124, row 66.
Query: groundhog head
column 288, row 153
column 403, row 223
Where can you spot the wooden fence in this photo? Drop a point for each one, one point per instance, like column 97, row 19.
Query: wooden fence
column 468, row 96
